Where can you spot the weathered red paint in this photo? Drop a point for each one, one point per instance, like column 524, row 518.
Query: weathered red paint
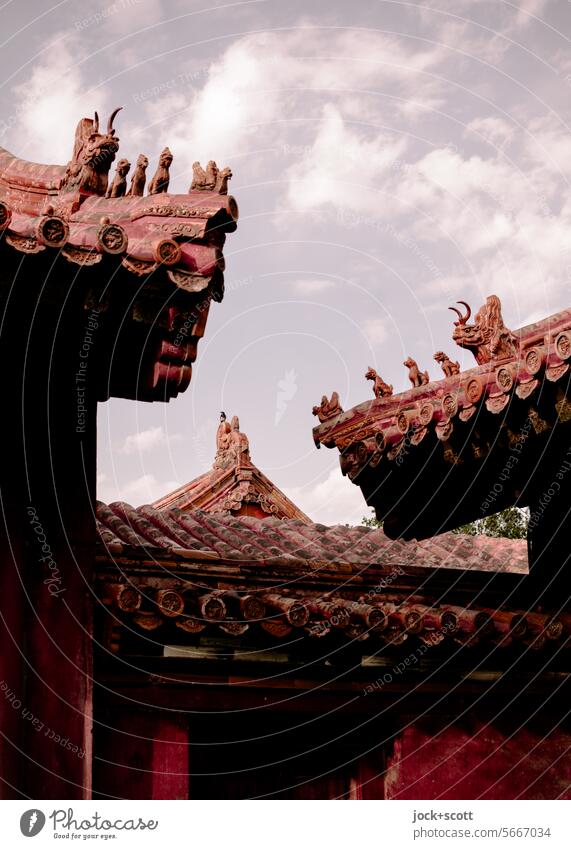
column 477, row 760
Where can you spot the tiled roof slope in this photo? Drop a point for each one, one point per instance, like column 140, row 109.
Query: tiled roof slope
column 122, row 527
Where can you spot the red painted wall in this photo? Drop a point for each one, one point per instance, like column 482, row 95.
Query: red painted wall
column 475, row 760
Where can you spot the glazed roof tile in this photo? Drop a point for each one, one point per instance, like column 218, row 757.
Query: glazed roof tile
column 174, row 532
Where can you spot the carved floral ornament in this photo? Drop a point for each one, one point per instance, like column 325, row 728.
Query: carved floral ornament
column 248, row 495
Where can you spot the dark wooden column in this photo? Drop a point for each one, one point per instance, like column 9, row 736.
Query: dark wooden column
column 141, row 755
column 47, row 487
column 549, row 530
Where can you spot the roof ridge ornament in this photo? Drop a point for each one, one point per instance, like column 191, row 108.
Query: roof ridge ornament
column 232, row 446
column 139, row 178
column 93, row 154
column 328, row 409
column 415, row 375
column 161, row 178
column 488, row 337
column 212, row 179
column 449, row 367
column 380, row 388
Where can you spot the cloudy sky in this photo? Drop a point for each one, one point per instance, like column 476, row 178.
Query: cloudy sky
column 389, row 158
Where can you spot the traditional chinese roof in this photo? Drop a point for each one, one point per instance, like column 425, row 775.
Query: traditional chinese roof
column 162, row 252
column 295, row 542
column 178, row 574
column 453, row 450
column 234, row 485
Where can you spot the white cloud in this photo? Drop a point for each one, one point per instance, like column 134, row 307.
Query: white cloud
column 510, row 225
column 340, row 167
column 530, row 9
column 141, row 490
column 491, row 129
column 146, row 440
column 312, row 285
column 375, row 330
column 51, row 103
column 265, row 76
column 333, row 501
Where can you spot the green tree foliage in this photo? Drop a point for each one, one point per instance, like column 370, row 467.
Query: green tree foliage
column 371, row 521
column 510, row 523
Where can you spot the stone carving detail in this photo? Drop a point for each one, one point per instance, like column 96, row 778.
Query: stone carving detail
column 488, row 338
column 167, row 251
column 563, row 345
column 5, row 216
column 211, row 179
column 525, row 389
column 497, row 402
column 204, row 180
column 53, row 231
column 161, row 178
column 534, row 360
column 416, row 377
column 172, row 211
column 93, row 154
column 141, row 267
column 473, row 389
column 504, row 379
column 112, row 238
column 118, row 187
column 139, row 178
column 556, row 372
column 380, row 388
column 80, row 256
column 425, row 413
column 402, row 422
column 450, row 405
column 245, row 493
column 328, row 409
column 448, row 367
column 25, row 244
column 232, row 446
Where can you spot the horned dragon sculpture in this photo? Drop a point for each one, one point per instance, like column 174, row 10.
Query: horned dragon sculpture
column 488, row 338
column 93, row 155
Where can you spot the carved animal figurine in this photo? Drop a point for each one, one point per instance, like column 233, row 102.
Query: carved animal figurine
column 416, row 377
column 202, row 180
column 161, row 177
column 139, row 178
column 488, row 338
column 448, row 367
column 222, row 181
column 198, row 177
column 93, row 154
column 211, row 179
column 328, row 409
column 118, row 187
column 211, row 175
column 380, row 388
